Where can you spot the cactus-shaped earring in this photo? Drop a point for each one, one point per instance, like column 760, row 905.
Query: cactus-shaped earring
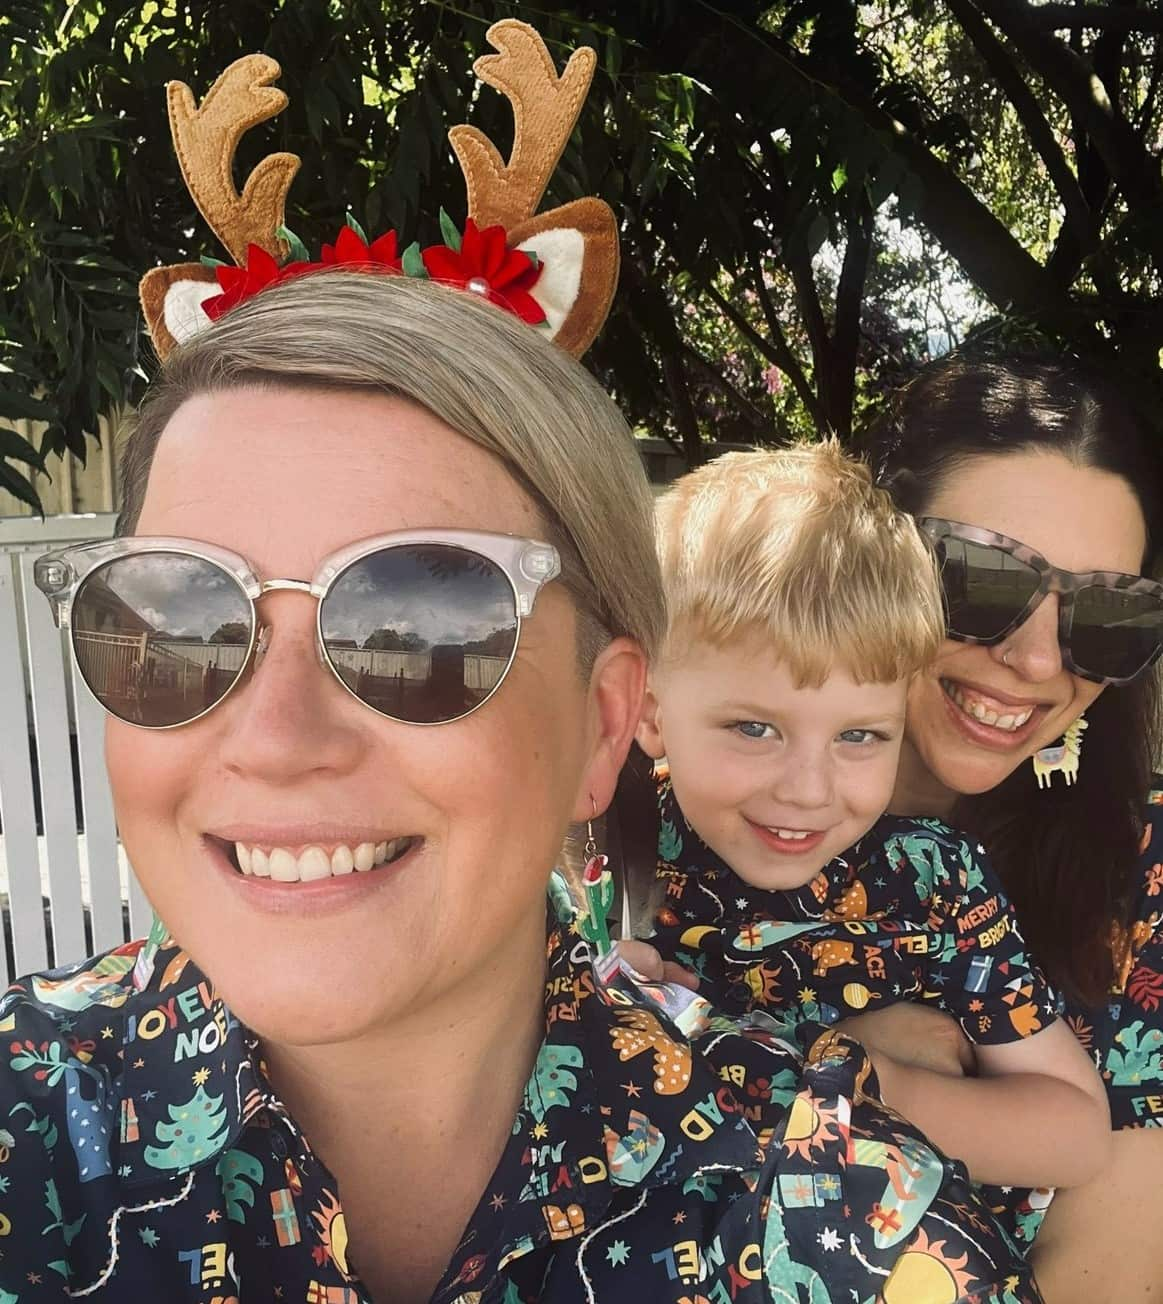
column 598, row 883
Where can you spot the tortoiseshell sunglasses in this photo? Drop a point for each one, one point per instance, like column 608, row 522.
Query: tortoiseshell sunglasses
column 1110, row 625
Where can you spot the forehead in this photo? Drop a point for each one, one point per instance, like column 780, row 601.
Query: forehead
column 286, row 476
column 1079, row 518
column 744, row 674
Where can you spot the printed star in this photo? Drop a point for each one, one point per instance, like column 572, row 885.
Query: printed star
column 149, row 1237
column 213, row 1216
column 139, row 1063
column 3, row 1185
column 148, row 1095
column 587, row 1108
column 829, row 1238
column 34, row 1278
column 67, row 1025
column 498, row 1202
column 125, row 1170
column 617, row 1254
column 680, row 1217
column 688, row 914
column 632, row 1089
column 805, row 995
column 107, row 1034
column 879, row 882
column 741, row 902
column 263, row 1243
column 201, row 1077
column 539, row 1131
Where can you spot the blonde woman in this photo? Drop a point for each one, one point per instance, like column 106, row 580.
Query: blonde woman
column 357, row 1062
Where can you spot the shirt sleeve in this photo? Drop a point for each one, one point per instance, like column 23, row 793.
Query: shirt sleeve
column 35, row 1227
column 1126, row 1038
column 980, row 970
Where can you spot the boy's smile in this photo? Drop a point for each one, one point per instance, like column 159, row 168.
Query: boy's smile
column 776, row 778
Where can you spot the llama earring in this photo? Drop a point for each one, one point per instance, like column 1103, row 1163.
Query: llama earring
column 1064, row 756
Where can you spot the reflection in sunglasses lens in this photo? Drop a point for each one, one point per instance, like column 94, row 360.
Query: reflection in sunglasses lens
column 985, row 588
column 421, row 633
column 1114, row 632
column 160, row 637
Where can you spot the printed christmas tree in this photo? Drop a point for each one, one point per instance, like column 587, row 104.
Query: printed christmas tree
column 197, row 1131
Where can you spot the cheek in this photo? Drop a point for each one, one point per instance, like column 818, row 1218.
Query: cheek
column 151, row 774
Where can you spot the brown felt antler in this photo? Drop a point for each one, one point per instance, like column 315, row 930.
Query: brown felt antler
column 206, row 137
column 577, row 243
column 545, row 108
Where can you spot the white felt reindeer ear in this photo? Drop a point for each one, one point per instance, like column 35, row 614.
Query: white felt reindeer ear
column 206, row 136
column 576, row 244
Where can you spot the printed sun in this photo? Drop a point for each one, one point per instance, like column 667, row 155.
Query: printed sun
column 810, row 1126
column 332, row 1227
column 924, row 1274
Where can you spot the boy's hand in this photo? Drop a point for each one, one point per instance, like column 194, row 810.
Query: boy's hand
column 643, row 957
column 914, row 1036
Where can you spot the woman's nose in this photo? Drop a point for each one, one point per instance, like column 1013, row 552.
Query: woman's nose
column 1032, row 651
column 289, row 715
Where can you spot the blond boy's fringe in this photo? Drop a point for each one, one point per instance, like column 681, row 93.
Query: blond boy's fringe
column 798, row 549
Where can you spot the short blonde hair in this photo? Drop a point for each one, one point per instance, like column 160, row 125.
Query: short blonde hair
column 487, row 375
column 798, row 547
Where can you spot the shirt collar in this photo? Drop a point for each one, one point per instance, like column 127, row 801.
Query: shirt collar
column 724, row 897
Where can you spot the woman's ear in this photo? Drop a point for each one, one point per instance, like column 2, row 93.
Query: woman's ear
column 616, row 686
column 649, row 732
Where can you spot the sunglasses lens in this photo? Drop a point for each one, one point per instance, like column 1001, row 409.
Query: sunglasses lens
column 421, row 633
column 160, row 637
column 986, row 589
column 1114, row 632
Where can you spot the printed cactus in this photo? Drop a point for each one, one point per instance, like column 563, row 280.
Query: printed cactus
column 598, row 883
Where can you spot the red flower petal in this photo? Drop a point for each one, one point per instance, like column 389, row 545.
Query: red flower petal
column 493, row 251
column 384, row 250
column 472, row 250
column 260, row 266
column 520, row 303
column 444, row 264
column 349, row 248
column 513, row 269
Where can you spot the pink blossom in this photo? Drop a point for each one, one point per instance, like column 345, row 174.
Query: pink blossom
column 773, row 379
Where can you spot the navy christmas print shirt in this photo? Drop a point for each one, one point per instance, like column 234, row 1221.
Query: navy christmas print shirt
column 145, row 1155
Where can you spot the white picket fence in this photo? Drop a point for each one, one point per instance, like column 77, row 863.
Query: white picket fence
column 65, row 887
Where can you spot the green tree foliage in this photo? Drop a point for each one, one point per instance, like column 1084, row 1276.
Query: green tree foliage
column 814, row 194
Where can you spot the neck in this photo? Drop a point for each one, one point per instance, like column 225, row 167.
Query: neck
column 425, row 1105
column 918, row 791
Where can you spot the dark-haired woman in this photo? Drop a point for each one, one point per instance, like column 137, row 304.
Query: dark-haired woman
column 1038, row 484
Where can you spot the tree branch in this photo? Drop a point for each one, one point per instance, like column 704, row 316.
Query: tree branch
column 1007, row 75
column 849, row 302
column 774, row 350
column 715, row 377
column 1132, row 167
column 1056, row 17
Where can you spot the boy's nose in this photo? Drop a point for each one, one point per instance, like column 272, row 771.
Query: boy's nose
column 804, row 781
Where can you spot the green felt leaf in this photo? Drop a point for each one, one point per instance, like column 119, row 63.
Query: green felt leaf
column 412, row 261
column 207, row 261
column 355, row 226
column 298, row 250
column 449, row 230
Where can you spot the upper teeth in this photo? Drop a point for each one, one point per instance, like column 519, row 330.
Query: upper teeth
column 796, row 835
column 285, row 866
column 979, row 711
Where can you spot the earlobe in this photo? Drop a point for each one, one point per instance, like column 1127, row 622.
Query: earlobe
column 616, row 686
column 649, row 731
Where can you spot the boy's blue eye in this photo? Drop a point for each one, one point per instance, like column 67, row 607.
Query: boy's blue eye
column 754, row 729
column 862, row 736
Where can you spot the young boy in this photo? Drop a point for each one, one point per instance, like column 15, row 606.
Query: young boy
column 800, row 602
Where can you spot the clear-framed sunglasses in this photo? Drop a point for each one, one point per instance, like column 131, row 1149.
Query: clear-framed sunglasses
column 1110, row 625
column 420, row 625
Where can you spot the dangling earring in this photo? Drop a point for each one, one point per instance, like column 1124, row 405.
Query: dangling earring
column 598, row 884
column 1065, row 756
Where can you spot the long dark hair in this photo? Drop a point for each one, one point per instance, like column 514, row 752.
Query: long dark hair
column 1067, row 856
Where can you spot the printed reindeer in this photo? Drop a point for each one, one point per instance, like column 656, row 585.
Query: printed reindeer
column 574, row 248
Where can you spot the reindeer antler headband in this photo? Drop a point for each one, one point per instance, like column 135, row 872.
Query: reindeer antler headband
column 557, row 269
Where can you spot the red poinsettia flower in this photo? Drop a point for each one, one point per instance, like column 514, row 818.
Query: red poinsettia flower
column 350, row 248
column 239, row 283
column 485, row 265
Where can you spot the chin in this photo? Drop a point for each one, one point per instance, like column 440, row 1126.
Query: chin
column 970, row 772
